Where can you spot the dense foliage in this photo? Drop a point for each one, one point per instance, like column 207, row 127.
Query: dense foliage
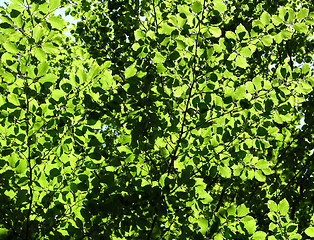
column 172, row 119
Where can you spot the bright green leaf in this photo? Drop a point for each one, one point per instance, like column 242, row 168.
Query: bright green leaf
column 240, row 92
column 225, row 171
column 242, row 210
column 310, row 231
column 138, row 34
column 303, row 13
column 159, row 58
column 249, row 224
column 57, row 22
column 57, row 94
column 241, row 62
column 220, row 7
column 43, row 68
column 257, row 81
column 215, row 31
column 53, row 4
column 39, row 54
column 130, row 71
column 259, row 176
column 50, row 48
column 283, row 207
column 267, row 40
column 265, row 18
column 261, row 164
column 272, row 205
column 231, row 35
column 10, row 47
column 51, row 78
column 196, row 7
column 38, row 32
column 300, row 27
column 245, row 52
column 259, row 235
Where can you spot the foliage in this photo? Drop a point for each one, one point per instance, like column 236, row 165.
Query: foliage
column 162, row 120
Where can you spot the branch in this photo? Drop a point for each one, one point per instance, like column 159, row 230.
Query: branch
column 173, row 156
column 295, row 176
column 30, row 182
column 152, row 228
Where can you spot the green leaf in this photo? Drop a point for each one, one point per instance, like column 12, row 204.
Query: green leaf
column 38, row 32
column 160, row 68
column 50, row 48
column 215, row 31
column 43, row 68
column 303, row 13
column 286, row 34
column 267, row 40
column 130, row 71
column 220, row 7
column 17, row 1
column 158, row 58
column 261, row 131
column 283, row 207
column 261, row 164
column 241, row 62
column 241, row 32
column 8, row 77
column 22, row 166
column 259, row 235
column 249, row 224
column 10, row 47
column 5, row 25
column 272, row 205
column 138, row 34
column 50, row 78
column 245, row 52
column 225, row 171
column 276, row 20
column 13, row 159
column 310, row 231
column 57, row 94
column 57, row 22
column 166, row 29
column 259, row 176
column 107, row 80
column 291, row 228
column 265, row 18
column 300, row 27
column 53, row 4
column 240, row 92
column 39, row 54
column 230, row 35
column 13, row 98
column 257, row 81
column 196, row 7
column 203, row 223
column 242, row 210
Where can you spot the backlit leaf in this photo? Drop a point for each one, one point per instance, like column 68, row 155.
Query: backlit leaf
column 300, row 27
column 283, row 207
column 259, row 235
column 53, row 4
column 242, row 210
column 309, row 231
column 241, row 62
column 130, row 71
column 42, row 69
column 196, row 7
column 265, row 18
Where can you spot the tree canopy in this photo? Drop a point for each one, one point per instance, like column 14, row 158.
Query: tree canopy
column 172, row 119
